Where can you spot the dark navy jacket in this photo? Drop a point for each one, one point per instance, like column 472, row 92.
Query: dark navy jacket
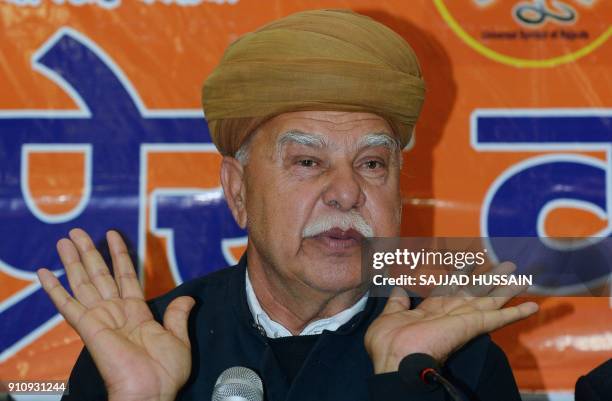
column 223, row 335
column 596, row 385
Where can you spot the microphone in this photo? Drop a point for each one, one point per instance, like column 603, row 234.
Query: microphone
column 238, row 384
column 416, row 369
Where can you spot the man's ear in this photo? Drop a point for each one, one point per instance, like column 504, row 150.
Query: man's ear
column 232, row 180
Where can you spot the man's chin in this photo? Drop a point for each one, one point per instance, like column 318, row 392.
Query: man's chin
column 330, row 275
column 336, row 286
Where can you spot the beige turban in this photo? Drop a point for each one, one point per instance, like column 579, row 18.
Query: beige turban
column 312, row 60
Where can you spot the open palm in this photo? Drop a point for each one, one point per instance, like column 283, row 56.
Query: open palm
column 440, row 325
column 138, row 358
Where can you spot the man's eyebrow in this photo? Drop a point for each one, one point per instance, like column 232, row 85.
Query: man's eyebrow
column 318, row 141
column 301, row 138
column 379, row 139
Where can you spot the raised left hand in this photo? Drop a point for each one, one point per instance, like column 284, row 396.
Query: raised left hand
column 438, row 326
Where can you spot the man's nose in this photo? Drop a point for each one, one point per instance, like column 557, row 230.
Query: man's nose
column 343, row 191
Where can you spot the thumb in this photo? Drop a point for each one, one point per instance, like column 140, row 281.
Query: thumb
column 398, row 301
column 176, row 315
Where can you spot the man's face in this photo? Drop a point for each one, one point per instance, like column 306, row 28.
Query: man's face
column 315, row 183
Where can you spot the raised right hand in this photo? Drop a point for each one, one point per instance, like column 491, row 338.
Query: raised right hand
column 138, row 358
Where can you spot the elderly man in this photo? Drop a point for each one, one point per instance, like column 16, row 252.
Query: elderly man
column 310, row 113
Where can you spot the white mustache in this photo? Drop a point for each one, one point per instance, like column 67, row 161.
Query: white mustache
column 343, row 221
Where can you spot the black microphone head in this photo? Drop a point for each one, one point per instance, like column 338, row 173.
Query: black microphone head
column 412, row 366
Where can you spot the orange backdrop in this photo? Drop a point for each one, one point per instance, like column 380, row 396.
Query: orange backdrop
column 475, row 55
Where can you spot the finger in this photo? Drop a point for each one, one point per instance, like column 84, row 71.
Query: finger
column 479, row 290
column 439, row 306
column 504, row 268
column 485, row 304
column 481, row 304
column 445, row 290
column 510, row 290
column 125, row 275
column 433, row 305
column 448, row 298
column 398, row 301
column 495, row 296
column 498, row 297
column 471, row 297
column 445, row 299
column 94, row 264
column 70, row 308
column 176, row 316
column 492, row 320
column 81, row 285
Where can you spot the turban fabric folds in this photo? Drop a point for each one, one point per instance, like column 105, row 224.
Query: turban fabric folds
column 330, row 60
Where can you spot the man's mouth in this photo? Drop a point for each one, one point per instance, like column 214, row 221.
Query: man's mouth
column 338, row 239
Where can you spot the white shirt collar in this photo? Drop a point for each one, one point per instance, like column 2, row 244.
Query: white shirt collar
column 275, row 330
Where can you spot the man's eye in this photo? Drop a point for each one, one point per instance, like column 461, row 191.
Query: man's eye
column 373, row 164
column 307, row 163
